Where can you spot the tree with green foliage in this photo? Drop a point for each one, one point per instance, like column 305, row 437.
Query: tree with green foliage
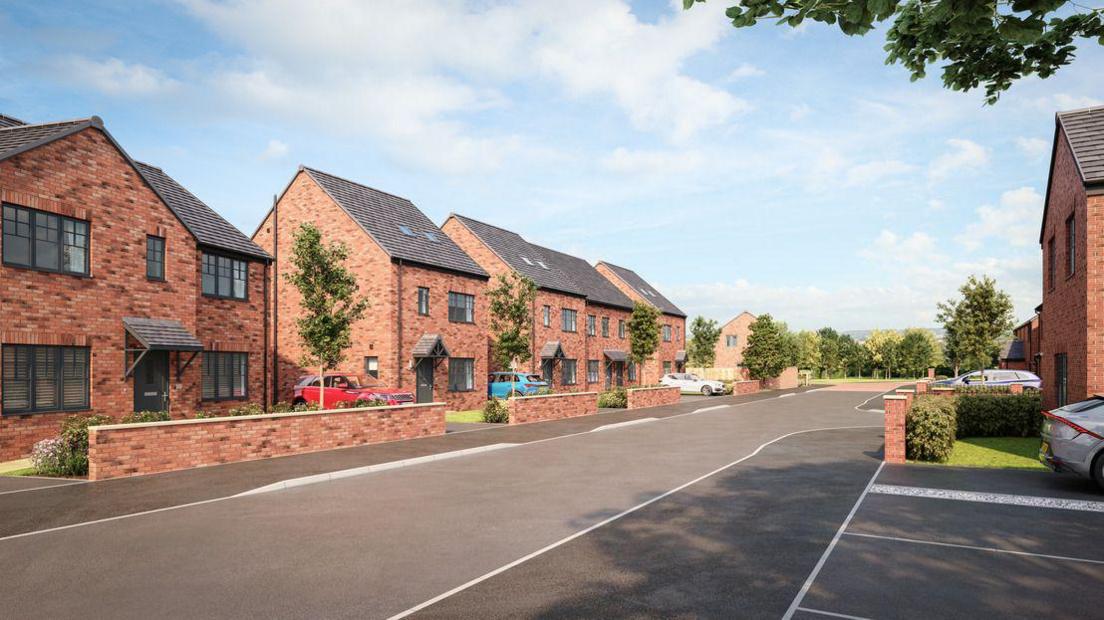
column 643, row 327
column 981, row 43
column 704, row 334
column 830, row 359
column 511, row 310
column 770, row 348
column 808, row 350
column 853, row 356
column 976, row 323
column 883, row 348
column 329, row 301
column 919, row 350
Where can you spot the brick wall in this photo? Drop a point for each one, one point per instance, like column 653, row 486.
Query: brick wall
column 732, row 357
column 573, row 343
column 551, row 407
column 750, row 386
column 896, row 408
column 597, row 344
column 785, row 381
column 137, row 449
column 653, row 397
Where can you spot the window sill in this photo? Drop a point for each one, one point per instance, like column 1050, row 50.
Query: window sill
column 460, row 391
column 16, row 414
column 82, row 276
column 210, row 296
column 230, row 399
column 149, row 279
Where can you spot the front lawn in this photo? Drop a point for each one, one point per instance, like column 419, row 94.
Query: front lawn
column 997, row 453
column 26, row 471
column 472, row 415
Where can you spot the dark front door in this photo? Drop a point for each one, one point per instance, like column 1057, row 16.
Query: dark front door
column 425, row 381
column 151, row 382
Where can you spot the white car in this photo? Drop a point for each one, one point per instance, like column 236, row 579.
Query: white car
column 693, row 383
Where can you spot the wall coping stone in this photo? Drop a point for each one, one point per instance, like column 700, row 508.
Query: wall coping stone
column 552, row 395
column 289, row 414
column 661, row 387
column 894, row 397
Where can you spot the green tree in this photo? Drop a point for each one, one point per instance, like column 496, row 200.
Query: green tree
column 643, row 329
column 329, row 301
column 830, row 359
column 976, row 323
column 511, row 310
column 883, row 347
column 704, row 334
column 770, row 348
column 808, row 350
column 989, row 43
column 919, row 350
column 853, row 355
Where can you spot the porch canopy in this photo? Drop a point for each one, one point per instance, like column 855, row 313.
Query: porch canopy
column 431, row 346
column 552, row 351
column 160, row 335
column 615, row 355
column 680, row 356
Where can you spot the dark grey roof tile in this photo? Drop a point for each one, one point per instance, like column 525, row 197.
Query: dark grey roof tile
column 523, row 257
column 17, row 138
column 647, row 291
column 1085, row 131
column 586, row 278
column 162, row 334
column 10, row 121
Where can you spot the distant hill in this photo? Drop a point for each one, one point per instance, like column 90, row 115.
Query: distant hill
column 862, row 334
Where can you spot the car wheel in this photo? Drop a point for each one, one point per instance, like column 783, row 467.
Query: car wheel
column 514, row 394
column 1098, row 470
column 706, row 391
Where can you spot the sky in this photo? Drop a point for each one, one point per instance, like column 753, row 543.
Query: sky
column 766, row 169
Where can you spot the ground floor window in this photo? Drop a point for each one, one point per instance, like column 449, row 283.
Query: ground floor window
column 569, row 376
column 632, row 372
column 461, row 374
column 546, row 371
column 225, row 375
column 371, row 367
column 1061, row 376
column 592, row 371
column 37, row 378
column 666, row 367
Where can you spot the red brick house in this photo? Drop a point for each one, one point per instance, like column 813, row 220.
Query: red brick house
column 729, row 350
column 1022, row 352
column 1071, row 346
column 426, row 328
column 671, row 356
column 119, row 290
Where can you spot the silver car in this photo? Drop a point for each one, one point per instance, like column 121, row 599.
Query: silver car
column 1073, row 439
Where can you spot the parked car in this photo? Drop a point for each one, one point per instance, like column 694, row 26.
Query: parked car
column 1073, row 439
column 347, row 388
column 994, row 378
column 693, row 383
column 500, row 384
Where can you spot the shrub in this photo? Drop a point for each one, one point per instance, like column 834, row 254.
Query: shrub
column 616, row 398
column 496, row 411
column 544, row 391
column 74, row 434
column 49, row 456
column 141, row 417
column 930, row 429
column 246, row 409
column 360, row 403
column 729, row 388
column 994, row 415
column 980, row 388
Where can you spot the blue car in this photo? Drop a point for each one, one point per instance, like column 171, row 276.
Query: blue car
column 500, row 384
column 994, row 378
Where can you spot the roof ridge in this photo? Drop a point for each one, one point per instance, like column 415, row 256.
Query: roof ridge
column 512, row 232
column 92, row 120
column 357, row 183
column 1092, row 108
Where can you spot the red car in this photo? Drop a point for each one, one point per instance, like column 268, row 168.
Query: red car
column 346, row 388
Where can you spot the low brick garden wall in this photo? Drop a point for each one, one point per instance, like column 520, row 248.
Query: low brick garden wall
column 653, row 397
column 745, row 387
column 525, row 409
column 785, row 381
column 120, row 450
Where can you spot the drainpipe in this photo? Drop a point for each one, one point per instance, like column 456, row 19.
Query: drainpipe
column 399, row 328
column 264, row 355
column 275, row 396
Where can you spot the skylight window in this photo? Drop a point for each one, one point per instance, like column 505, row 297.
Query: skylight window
column 527, row 261
column 406, row 231
column 429, row 235
column 541, row 263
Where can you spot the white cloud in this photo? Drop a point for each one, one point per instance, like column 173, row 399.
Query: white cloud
column 274, row 150
column 745, row 70
column 1014, row 221
column 1036, row 148
column 1060, row 102
column 935, row 204
column 800, row 111
column 875, row 172
column 889, row 247
column 964, row 156
column 115, row 77
column 651, row 162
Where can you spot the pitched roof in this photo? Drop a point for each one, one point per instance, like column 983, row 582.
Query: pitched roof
column 552, row 350
column 430, row 345
column 208, row 227
column 1084, row 130
column 162, row 334
column 523, row 257
column 586, row 278
column 1013, row 350
column 399, row 227
column 647, row 291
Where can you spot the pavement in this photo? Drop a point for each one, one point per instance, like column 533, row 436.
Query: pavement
column 749, row 507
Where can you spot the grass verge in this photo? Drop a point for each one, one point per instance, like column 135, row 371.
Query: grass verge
column 26, row 471
column 472, row 415
column 997, row 453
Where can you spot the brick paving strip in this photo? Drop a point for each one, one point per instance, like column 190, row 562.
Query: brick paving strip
column 69, row 504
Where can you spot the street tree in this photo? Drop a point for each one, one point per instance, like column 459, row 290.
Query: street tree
column 329, row 298
column 830, row 360
column 883, row 347
column 770, row 348
column 704, row 334
column 511, row 311
column 983, row 43
column 643, row 327
column 853, row 356
column 808, row 350
column 918, row 351
column 976, row 322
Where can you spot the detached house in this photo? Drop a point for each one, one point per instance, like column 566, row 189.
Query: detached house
column 426, row 328
column 671, row 355
column 120, row 291
column 1071, row 318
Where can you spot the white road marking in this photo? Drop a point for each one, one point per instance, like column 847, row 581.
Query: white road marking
column 787, row 395
column 47, row 486
column 115, row 518
column 860, row 406
column 975, row 548
column 713, row 408
column 1032, row 501
column 832, row 545
column 369, row 469
column 607, row 427
column 624, row 513
column 830, row 613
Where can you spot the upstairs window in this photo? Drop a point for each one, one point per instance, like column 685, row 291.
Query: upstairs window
column 731, row 341
column 423, row 301
column 1071, row 246
column 568, row 318
column 666, row 333
column 1050, row 264
column 225, row 277
column 547, row 316
column 605, row 327
column 591, row 324
column 44, row 241
column 621, row 328
column 155, row 258
column 461, row 308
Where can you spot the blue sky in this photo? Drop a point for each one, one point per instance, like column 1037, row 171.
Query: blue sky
column 766, row 169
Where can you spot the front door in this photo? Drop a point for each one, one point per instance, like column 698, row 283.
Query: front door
column 425, row 381
column 151, row 382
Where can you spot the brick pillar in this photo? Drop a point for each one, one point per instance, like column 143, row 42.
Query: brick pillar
column 896, row 406
column 922, row 386
column 931, row 373
column 1016, row 388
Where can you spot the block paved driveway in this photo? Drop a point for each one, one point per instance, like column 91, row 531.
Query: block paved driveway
column 726, row 512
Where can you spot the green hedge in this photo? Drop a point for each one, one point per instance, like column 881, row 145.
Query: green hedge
column 496, row 412
column 616, row 398
column 994, row 415
column 930, row 429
